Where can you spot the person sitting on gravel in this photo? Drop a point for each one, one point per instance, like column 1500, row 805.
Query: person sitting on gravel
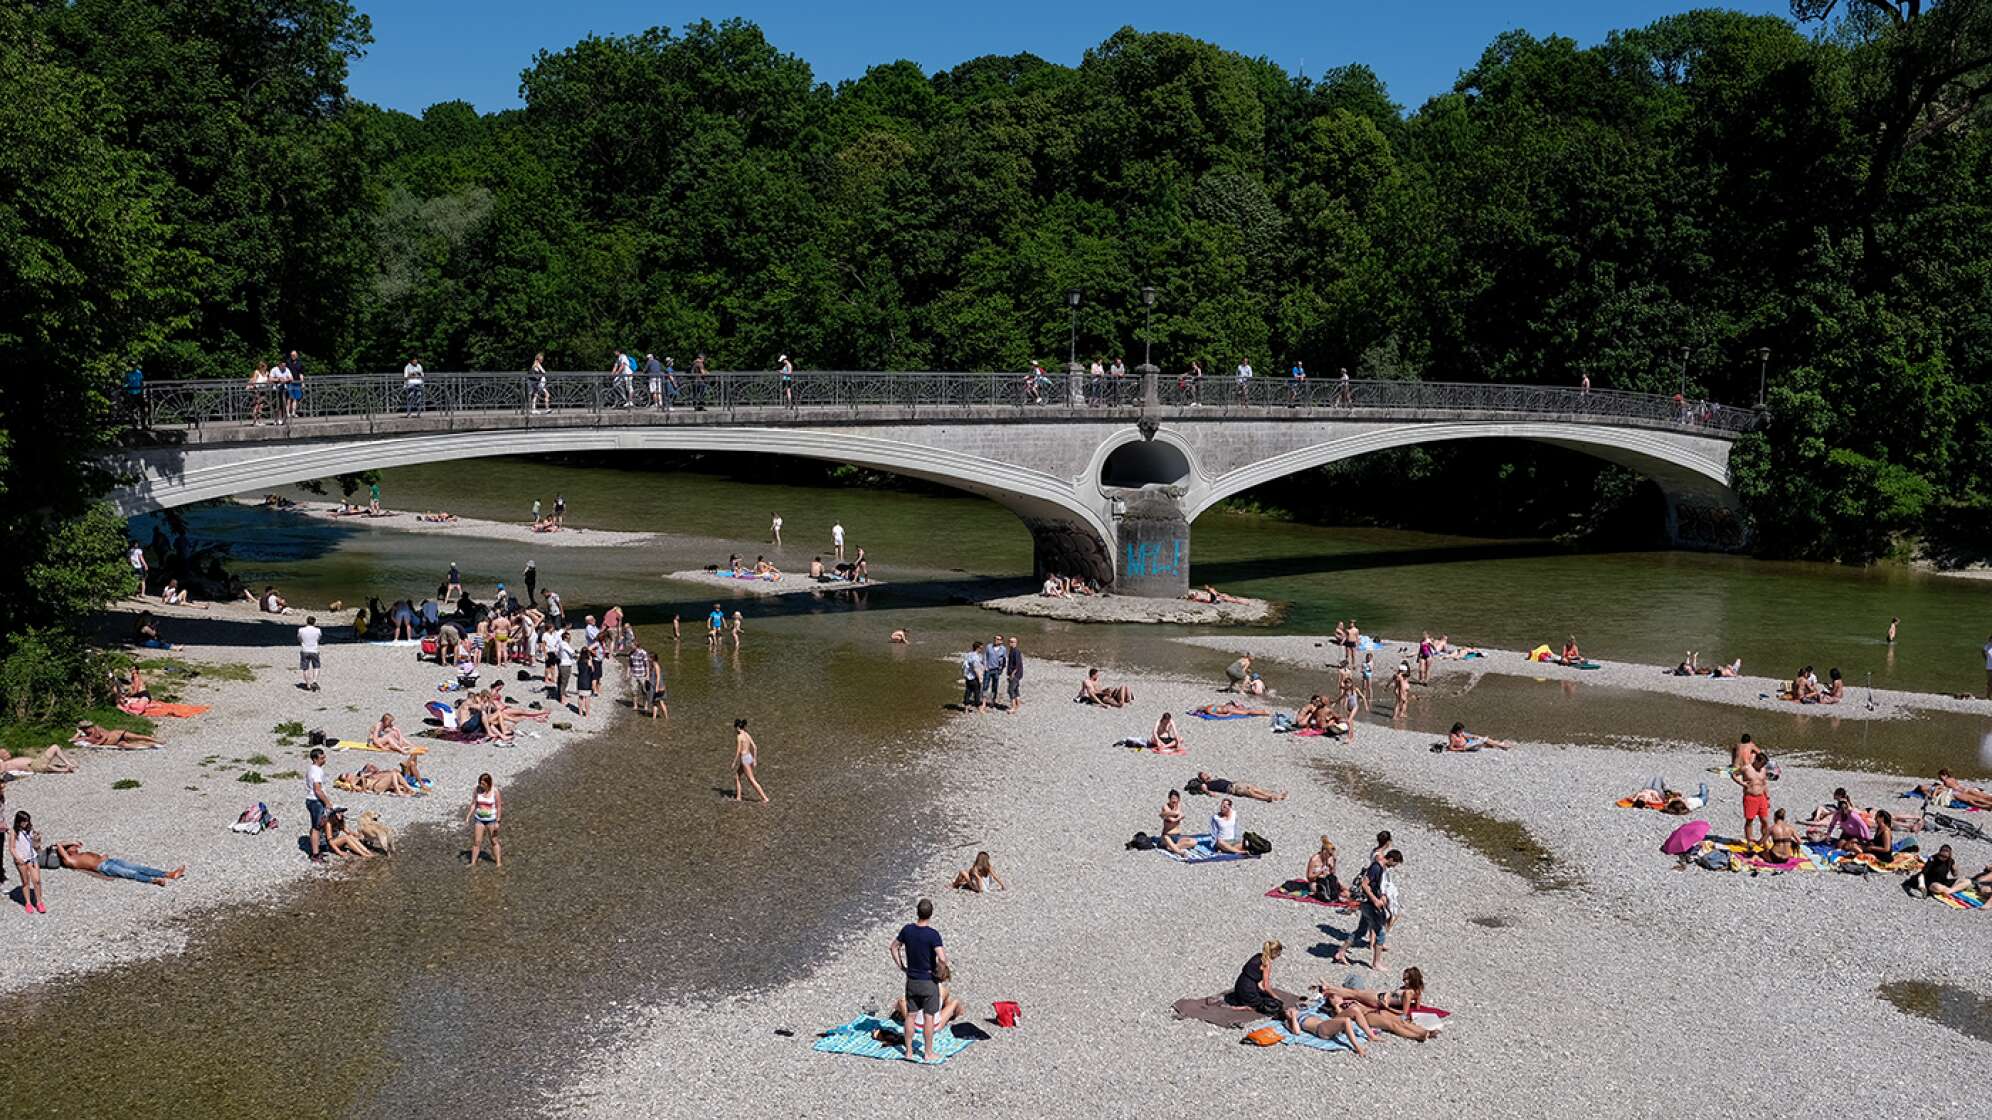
column 1224, row 829
column 1783, row 838
column 979, row 875
column 1206, row 784
column 1949, row 793
column 345, row 842
column 1571, row 654
column 385, row 736
column 50, row 761
column 90, row 735
column 1458, row 739
column 1313, row 715
column 1230, row 708
column 72, row 855
column 950, row 1009
column 1882, row 846
column 1322, row 882
column 1172, row 837
column 1254, row 986
column 1091, row 691
column 1166, row 740
column 1836, row 688
column 1938, row 876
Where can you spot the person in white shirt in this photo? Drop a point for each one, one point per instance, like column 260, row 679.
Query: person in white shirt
column 776, row 528
column 1224, row 829
column 318, row 802
column 837, row 538
column 139, row 568
column 308, row 637
column 623, row 379
column 1244, row 380
column 411, row 387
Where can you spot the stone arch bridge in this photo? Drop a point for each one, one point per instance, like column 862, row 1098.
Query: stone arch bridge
column 1107, row 474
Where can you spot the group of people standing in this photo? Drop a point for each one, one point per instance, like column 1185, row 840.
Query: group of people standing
column 987, row 671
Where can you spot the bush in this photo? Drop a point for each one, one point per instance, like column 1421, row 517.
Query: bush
column 125, row 783
column 251, row 777
column 48, row 674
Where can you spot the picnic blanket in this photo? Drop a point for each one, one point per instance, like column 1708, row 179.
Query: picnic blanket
column 151, row 708
column 855, row 1038
column 1295, row 890
column 1824, row 855
column 1219, row 1011
column 1204, row 853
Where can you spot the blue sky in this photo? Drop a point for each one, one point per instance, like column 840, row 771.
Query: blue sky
column 427, row 51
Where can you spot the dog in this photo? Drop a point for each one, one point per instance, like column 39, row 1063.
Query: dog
column 376, row 834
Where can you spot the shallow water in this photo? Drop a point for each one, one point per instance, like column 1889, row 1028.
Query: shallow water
column 1507, row 844
column 414, row 987
column 1960, row 1009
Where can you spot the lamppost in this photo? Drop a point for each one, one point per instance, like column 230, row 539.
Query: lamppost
column 1149, row 388
column 1682, row 391
column 1763, row 365
column 1072, row 350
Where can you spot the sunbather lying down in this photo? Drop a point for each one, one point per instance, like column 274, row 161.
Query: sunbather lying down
column 373, row 779
column 1947, row 793
column 73, row 856
column 49, row 761
column 1656, row 795
column 1231, row 708
column 90, row 735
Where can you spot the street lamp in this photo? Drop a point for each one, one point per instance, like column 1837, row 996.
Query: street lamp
column 1682, row 391
column 1148, row 330
column 1763, row 364
column 1072, row 351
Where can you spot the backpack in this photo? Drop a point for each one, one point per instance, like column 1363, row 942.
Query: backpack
column 1715, row 859
column 1257, row 844
column 1142, row 842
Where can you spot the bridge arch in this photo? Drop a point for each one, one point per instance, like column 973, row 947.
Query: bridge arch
column 1069, row 534
column 1680, row 470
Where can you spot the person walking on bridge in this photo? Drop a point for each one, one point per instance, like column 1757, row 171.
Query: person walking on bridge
column 1244, row 381
column 411, row 388
column 654, row 371
column 788, row 380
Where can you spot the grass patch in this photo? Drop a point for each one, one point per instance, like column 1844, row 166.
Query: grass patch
column 258, row 760
column 252, row 777
column 291, row 729
column 125, row 783
column 18, row 736
column 224, row 671
column 282, row 774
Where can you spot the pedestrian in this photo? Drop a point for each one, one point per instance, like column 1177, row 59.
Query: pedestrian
column 411, row 388
column 699, row 383
column 715, row 626
column 554, row 610
column 738, row 622
column 586, row 666
column 640, row 679
column 1988, row 668
column 788, row 380
column 622, row 377
column 1373, row 891
column 1244, row 381
column 919, row 954
column 308, row 637
column 531, row 576
column 283, row 381
column 559, row 509
column 1755, row 780
column 775, row 528
column 994, row 659
column 24, row 845
column 373, row 499
column 563, row 652
column 1296, row 381
column 140, row 570
column 538, row 396
column 972, row 664
column 1013, row 672
column 1892, row 624
column 670, row 384
column 487, row 808
column 134, row 395
column 453, row 584
column 744, row 762
column 653, row 371
column 837, row 539
column 317, row 803
column 536, row 513
column 1584, row 385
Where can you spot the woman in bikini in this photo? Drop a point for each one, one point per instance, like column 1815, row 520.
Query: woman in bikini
column 1321, row 880
column 1172, row 836
column 979, row 875
column 1389, row 1011
column 387, row 737
column 743, row 762
column 1882, row 846
column 373, row 779
column 50, row 761
column 90, row 735
column 1166, row 740
column 1231, row 708
column 487, row 806
column 344, row 842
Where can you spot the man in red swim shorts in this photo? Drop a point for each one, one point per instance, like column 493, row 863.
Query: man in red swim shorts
column 1756, row 782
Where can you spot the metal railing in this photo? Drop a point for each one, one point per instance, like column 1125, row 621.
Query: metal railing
column 193, row 404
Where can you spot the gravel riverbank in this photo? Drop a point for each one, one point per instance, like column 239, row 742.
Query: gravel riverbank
column 1132, row 608
column 790, row 584
column 1586, row 977
column 191, row 789
column 410, row 521
column 1743, row 692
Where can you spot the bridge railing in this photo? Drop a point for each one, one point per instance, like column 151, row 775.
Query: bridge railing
column 169, row 404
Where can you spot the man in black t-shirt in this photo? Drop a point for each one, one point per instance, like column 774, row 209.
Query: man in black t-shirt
column 918, row 953
column 1375, row 921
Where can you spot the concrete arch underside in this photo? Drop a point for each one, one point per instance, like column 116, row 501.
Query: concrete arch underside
column 1681, row 468
column 1068, row 535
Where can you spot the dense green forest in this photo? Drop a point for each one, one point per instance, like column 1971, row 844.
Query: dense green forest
column 186, row 184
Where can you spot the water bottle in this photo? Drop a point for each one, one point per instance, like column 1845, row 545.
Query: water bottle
column 871, row 1006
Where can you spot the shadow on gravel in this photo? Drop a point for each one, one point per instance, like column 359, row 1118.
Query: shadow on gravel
column 1960, row 1009
column 1507, row 844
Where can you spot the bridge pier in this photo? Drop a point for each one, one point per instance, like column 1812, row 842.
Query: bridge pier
column 1705, row 523
column 1153, row 545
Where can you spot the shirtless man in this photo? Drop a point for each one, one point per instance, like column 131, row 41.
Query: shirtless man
column 1172, row 837
column 1091, row 691
column 1745, row 749
column 1459, row 740
column 90, row 735
column 1784, row 838
column 1947, row 792
column 1221, row 786
column 1228, row 708
column 1756, row 783
column 75, row 858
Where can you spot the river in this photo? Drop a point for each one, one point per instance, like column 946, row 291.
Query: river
column 411, row 989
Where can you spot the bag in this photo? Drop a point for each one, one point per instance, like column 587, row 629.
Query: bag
column 1142, row 842
column 1194, row 785
column 1257, row 844
column 1264, row 1036
column 1715, row 859
column 50, row 858
column 429, row 647
column 1008, row 1014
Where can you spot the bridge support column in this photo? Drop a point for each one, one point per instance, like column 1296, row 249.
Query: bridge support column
column 1069, row 548
column 1153, row 549
column 1705, row 523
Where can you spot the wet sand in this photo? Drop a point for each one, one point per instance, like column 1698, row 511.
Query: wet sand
column 1610, row 970
column 190, row 790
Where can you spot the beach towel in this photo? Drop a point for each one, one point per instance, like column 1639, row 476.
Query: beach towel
column 1202, row 714
column 1134, row 744
column 1204, row 853
column 363, row 745
column 154, row 708
column 448, row 735
column 1295, row 890
column 1219, row 1012
column 855, row 1038
column 1541, row 653
column 1310, row 733
column 1960, row 901
column 442, row 712
column 1430, row 1018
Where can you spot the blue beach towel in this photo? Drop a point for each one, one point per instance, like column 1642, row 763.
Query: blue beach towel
column 1207, row 715
column 1204, row 853
column 1288, row 1038
column 855, row 1038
